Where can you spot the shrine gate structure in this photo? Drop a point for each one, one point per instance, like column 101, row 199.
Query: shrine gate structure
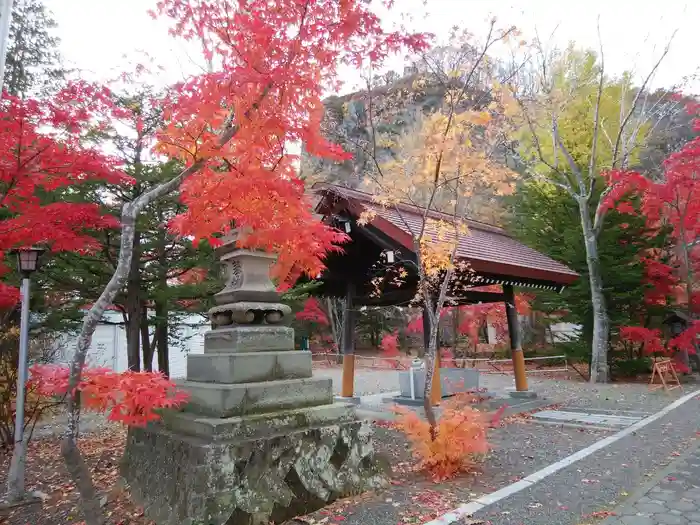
column 494, row 258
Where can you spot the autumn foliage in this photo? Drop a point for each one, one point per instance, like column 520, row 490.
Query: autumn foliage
column 453, row 446
column 131, row 398
column 312, row 312
column 389, row 347
column 672, row 202
column 43, row 152
column 275, row 62
column 473, row 317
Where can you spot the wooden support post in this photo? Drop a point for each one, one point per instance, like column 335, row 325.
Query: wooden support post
column 347, row 342
column 436, row 391
column 515, row 340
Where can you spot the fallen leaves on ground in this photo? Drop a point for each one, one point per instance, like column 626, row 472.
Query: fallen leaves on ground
column 599, row 515
column 427, row 505
column 526, row 417
column 47, row 474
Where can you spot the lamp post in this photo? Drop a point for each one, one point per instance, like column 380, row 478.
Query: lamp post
column 27, row 263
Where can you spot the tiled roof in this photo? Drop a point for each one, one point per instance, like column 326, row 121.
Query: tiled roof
column 485, row 246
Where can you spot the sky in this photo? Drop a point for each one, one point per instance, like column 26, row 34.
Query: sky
column 101, row 36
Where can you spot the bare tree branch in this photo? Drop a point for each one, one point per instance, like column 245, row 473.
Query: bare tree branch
column 642, row 89
column 596, row 118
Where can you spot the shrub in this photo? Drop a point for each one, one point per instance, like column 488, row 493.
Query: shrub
column 132, row 398
column 390, row 349
column 35, row 405
column 450, row 448
column 631, row 368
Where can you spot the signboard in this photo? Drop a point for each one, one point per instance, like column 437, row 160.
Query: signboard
column 666, row 373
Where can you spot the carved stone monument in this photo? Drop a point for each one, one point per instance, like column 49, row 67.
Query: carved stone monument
column 260, row 439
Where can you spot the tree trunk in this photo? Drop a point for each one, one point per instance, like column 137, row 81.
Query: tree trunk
column 335, row 319
column 133, row 308
column 80, row 474
column 601, row 323
column 431, row 328
column 147, row 351
column 161, row 311
column 75, row 464
column 161, row 301
column 688, row 278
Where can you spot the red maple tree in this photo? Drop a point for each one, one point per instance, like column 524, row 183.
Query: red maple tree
column 42, row 154
column 671, row 202
column 312, row 312
column 231, row 129
column 276, row 63
column 473, row 317
column 389, row 347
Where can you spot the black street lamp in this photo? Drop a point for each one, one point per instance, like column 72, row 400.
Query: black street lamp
column 27, row 264
column 28, row 260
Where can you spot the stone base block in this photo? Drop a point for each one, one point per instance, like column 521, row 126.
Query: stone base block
column 355, row 400
column 248, row 367
column 182, row 480
column 249, row 339
column 405, row 400
column 452, row 380
column 522, row 394
column 229, row 400
column 258, row 425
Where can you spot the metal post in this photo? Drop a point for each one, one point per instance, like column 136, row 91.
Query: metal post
column 15, row 478
column 5, row 19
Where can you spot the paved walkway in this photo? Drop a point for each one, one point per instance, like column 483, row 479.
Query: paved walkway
column 672, row 497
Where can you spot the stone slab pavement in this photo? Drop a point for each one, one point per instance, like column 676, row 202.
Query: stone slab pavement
column 671, row 497
column 587, row 490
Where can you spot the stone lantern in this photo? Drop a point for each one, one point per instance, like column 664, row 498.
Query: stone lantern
column 261, row 439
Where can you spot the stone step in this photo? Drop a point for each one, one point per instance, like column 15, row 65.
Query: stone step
column 258, row 338
column 248, row 367
column 258, row 426
column 228, row 400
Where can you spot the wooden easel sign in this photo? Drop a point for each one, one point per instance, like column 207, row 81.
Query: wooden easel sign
column 667, row 374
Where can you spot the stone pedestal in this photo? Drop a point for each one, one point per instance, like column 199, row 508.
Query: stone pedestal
column 452, row 381
column 260, row 439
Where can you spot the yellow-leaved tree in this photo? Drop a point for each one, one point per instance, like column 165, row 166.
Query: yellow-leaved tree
column 445, row 163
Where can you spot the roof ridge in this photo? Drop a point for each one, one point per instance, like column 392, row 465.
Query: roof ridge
column 411, row 208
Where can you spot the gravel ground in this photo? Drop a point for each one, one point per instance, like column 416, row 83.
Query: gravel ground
column 90, row 422
column 572, row 393
column 518, row 450
column 587, row 489
column 612, row 396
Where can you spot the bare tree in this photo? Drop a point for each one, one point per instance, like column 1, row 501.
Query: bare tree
column 621, row 115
